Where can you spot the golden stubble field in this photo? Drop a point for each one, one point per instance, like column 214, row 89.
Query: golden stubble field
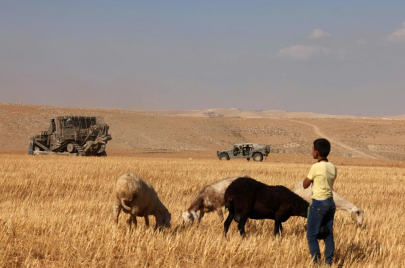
column 56, row 212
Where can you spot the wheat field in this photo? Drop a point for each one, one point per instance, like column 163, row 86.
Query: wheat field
column 56, row 212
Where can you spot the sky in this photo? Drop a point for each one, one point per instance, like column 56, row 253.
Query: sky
column 332, row 57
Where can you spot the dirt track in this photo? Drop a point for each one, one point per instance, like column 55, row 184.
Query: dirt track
column 355, row 152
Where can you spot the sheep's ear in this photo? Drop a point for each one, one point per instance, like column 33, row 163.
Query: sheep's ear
column 194, row 215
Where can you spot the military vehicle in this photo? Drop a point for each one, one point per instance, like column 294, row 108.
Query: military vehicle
column 72, row 135
column 245, row 150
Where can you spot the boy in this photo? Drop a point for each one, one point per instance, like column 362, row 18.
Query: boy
column 322, row 175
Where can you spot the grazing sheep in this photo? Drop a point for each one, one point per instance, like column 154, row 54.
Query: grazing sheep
column 210, row 198
column 247, row 198
column 341, row 204
column 138, row 198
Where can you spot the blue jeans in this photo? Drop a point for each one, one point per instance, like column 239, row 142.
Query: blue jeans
column 321, row 213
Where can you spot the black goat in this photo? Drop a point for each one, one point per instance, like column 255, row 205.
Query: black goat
column 247, row 198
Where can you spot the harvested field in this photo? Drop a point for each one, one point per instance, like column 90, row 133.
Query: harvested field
column 56, row 211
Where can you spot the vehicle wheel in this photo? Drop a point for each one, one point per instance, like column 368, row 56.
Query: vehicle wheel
column 248, row 159
column 257, row 157
column 223, row 156
column 104, row 153
column 71, row 148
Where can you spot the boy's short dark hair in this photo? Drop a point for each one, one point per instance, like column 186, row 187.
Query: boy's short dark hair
column 322, row 146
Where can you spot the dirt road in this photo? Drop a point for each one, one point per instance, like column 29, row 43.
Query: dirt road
column 355, row 152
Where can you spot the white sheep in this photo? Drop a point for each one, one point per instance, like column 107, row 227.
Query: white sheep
column 138, row 198
column 341, row 204
column 210, row 198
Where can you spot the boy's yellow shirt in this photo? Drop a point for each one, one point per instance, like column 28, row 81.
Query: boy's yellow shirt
column 322, row 175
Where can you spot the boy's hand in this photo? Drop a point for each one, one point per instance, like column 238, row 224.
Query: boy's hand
column 306, row 183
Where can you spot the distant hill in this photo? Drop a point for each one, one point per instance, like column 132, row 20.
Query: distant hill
column 214, row 129
column 233, row 112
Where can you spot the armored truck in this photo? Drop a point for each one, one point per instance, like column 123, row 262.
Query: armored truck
column 72, row 135
column 245, row 150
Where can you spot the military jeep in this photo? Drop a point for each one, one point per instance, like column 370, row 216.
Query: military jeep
column 245, row 150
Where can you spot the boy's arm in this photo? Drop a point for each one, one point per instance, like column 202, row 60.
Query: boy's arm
column 306, row 183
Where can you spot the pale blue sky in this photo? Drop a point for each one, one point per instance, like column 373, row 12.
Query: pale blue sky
column 335, row 57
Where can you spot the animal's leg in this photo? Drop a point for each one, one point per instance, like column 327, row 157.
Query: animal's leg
column 129, row 222
column 158, row 227
column 201, row 215
column 116, row 212
column 278, row 228
column 248, row 223
column 146, row 220
column 241, row 225
column 220, row 214
column 281, row 216
column 133, row 220
column 228, row 222
column 159, row 222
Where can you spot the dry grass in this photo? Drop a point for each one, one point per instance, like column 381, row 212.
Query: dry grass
column 56, row 211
